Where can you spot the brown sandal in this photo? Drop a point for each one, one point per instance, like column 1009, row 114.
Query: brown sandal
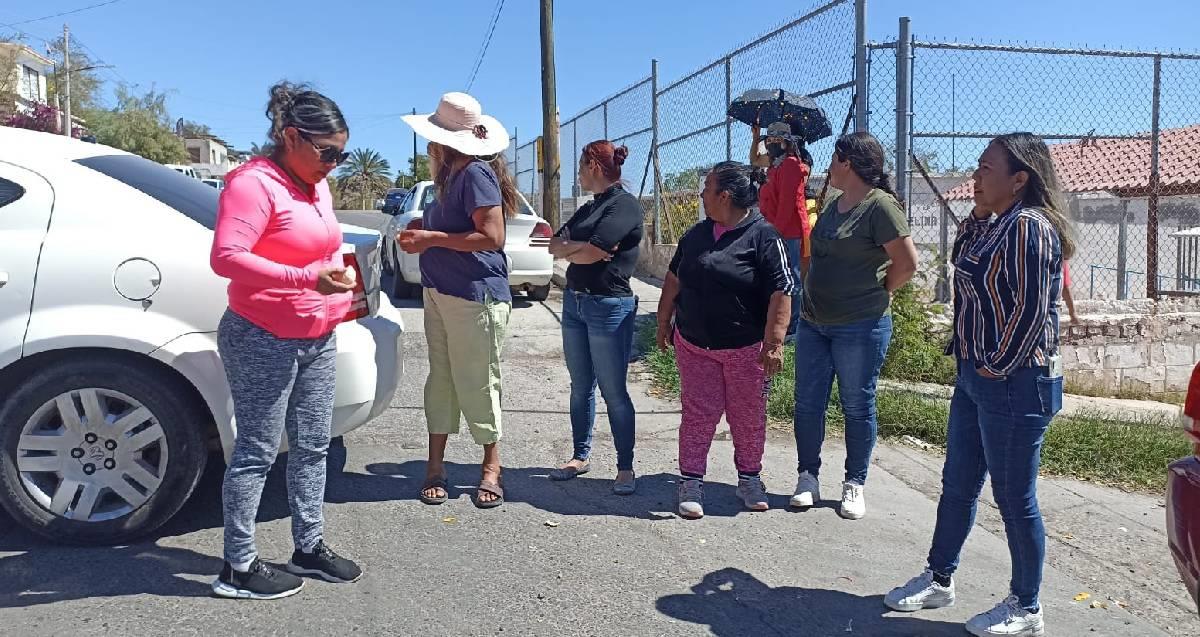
column 435, row 483
column 487, row 486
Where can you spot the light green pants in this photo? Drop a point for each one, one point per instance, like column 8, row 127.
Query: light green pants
column 464, row 340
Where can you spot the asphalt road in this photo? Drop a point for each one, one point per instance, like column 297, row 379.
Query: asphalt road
column 572, row 559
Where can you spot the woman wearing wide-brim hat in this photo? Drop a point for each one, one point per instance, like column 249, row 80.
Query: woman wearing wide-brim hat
column 465, row 275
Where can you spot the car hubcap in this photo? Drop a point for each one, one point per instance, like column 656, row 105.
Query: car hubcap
column 92, row 455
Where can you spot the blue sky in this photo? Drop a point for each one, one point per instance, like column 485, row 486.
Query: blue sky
column 379, row 59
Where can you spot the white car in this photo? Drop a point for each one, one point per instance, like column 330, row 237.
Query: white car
column 526, row 243
column 112, row 394
column 183, row 170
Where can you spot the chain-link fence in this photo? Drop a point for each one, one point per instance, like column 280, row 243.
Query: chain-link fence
column 1123, row 129
column 676, row 132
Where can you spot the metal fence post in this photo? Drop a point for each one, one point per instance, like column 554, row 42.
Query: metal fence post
column 1152, row 204
column 575, row 157
column 728, row 99
column 1123, row 252
column 903, row 93
column 516, row 144
column 605, row 119
column 654, row 150
column 860, row 66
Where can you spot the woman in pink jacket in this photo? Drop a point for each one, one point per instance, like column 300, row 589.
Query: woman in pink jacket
column 279, row 244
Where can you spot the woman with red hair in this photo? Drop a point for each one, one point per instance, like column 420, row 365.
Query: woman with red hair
column 601, row 242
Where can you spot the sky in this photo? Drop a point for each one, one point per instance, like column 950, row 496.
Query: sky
column 381, row 59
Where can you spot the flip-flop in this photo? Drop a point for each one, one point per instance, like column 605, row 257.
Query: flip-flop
column 562, row 474
column 435, row 483
column 487, row 486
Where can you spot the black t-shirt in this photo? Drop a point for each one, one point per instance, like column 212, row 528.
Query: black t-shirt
column 612, row 221
column 726, row 284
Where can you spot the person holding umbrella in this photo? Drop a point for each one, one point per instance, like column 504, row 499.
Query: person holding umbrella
column 783, row 202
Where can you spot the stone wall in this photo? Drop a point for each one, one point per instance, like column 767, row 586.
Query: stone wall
column 1135, row 347
column 654, row 259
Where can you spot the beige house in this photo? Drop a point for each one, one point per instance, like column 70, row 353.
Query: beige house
column 211, row 156
column 23, row 78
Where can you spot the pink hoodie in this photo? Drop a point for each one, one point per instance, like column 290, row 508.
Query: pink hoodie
column 271, row 241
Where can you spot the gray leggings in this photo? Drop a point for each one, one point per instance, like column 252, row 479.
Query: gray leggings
column 277, row 384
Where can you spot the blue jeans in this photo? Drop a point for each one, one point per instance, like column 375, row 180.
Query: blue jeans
column 997, row 427
column 598, row 341
column 853, row 353
column 793, row 255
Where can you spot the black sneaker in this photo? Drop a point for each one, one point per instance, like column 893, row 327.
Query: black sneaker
column 325, row 564
column 260, row 582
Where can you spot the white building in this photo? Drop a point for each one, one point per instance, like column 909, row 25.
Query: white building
column 211, row 156
column 27, row 77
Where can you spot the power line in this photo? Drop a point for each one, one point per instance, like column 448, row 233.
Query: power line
column 64, row 13
column 486, row 42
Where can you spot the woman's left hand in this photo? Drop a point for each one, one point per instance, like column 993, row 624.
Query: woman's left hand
column 415, row 241
column 772, row 358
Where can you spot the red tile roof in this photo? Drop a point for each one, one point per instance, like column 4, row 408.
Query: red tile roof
column 1122, row 166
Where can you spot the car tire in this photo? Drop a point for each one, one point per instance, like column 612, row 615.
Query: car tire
column 539, row 293
column 173, row 422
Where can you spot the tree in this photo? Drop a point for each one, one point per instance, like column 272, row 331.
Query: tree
column 195, row 129
column 139, row 124
column 8, row 61
column 85, row 78
column 418, row 170
column 364, row 177
column 260, row 151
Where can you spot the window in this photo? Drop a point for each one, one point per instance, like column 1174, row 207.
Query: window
column 191, row 197
column 428, row 198
column 30, row 84
column 10, row 192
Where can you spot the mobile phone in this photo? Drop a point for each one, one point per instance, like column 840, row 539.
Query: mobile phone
column 1055, row 366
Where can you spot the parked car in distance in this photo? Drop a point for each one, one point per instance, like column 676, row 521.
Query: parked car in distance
column 393, row 199
column 1183, row 497
column 217, row 183
column 526, row 243
column 112, row 392
column 183, row 170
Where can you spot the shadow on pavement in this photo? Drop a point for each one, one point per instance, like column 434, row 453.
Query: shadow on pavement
column 586, row 495
column 733, row 603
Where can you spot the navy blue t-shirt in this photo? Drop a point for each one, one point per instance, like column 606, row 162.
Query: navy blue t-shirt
column 474, row 276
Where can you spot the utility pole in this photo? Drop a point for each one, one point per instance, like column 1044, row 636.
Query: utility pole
column 551, row 201
column 414, row 160
column 67, row 80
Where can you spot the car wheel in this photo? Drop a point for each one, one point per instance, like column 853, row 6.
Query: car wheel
column 539, row 292
column 99, row 451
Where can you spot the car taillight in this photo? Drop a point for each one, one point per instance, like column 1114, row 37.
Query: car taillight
column 415, row 224
column 1191, row 411
column 358, row 303
column 541, row 234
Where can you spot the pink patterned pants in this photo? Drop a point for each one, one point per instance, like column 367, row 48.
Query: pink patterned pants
column 728, row 382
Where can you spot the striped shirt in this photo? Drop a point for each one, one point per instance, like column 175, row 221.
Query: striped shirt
column 1007, row 280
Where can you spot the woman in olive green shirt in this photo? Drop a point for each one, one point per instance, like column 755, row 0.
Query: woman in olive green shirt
column 861, row 253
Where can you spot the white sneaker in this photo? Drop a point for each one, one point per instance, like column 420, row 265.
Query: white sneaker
column 808, row 491
column 1008, row 618
column 691, row 499
column 854, row 506
column 753, row 494
column 919, row 593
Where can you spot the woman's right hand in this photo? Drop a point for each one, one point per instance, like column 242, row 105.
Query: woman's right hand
column 664, row 335
column 333, row 281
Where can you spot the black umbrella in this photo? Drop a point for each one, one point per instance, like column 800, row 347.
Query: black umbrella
column 767, row 106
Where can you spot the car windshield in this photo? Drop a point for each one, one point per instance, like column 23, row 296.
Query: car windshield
column 191, row 197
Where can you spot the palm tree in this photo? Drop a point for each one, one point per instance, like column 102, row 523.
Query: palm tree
column 366, row 174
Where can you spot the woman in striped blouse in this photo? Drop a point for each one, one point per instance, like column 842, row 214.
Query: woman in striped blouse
column 1008, row 261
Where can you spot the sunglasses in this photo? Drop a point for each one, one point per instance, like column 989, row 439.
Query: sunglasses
column 329, row 154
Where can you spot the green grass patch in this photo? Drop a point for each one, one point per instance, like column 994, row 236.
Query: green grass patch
column 1097, row 447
